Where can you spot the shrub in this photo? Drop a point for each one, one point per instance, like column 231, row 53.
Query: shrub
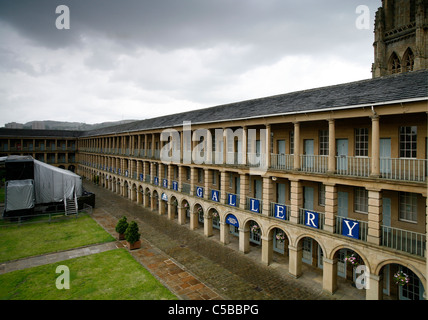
column 122, row 225
column 131, row 233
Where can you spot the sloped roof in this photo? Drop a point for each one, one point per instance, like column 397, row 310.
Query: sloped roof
column 406, row 86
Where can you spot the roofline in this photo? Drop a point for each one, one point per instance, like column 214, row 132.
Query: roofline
column 273, row 115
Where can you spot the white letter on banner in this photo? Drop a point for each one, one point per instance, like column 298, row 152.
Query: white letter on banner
column 279, row 212
column 310, row 217
column 199, row 192
column 350, row 228
column 214, row 196
column 231, row 202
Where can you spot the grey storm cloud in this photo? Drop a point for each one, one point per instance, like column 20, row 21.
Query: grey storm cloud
column 129, row 55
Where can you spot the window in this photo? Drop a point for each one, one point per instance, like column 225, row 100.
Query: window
column 362, row 142
column 323, row 143
column 187, row 173
column 361, row 201
column 408, row 139
column 321, row 194
column 200, row 175
column 394, row 64
column 409, row 60
column 214, row 177
column 408, row 207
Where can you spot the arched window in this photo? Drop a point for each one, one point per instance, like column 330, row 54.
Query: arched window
column 394, row 64
column 409, row 60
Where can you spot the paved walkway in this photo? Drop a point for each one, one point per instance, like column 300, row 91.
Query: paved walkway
column 189, row 264
column 228, row 272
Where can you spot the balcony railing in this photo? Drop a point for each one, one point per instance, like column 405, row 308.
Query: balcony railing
column 353, row 166
column 404, row 169
column 282, row 161
column 314, row 163
column 404, row 240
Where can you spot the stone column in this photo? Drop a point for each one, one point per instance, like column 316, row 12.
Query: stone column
column 224, row 233
column 181, row 215
column 329, row 275
column 267, row 250
column 208, row 225
column 244, row 186
column 296, row 200
column 374, row 290
column 267, row 195
column 267, row 147
column 244, row 145
column 193, row 219
column 244, row 239
column 207, row 183
column 223, row 187
column 375, row 216
column 330, row 207
column 331, row 147
column 296, row 165
column 295, row 261
column 375, row 163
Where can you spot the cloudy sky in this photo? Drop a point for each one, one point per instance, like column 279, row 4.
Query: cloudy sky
column 137, row 59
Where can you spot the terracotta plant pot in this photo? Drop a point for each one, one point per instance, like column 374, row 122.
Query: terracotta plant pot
column 135, row 245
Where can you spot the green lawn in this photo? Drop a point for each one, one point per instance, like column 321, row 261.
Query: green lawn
column 110, row 275
column 33, row 239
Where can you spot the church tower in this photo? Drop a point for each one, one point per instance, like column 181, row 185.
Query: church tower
column 401, row 43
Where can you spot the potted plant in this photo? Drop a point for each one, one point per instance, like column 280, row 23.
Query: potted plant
column 132, row 236
column 121, row 227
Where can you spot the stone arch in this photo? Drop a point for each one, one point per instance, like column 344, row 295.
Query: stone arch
column 386, row 270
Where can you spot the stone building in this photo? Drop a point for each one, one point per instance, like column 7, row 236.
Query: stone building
column 307, row 179
column 401, row 37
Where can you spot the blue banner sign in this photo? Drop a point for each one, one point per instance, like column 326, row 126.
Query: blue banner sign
column 164, row 197
column 350, row 228
column 280, row 211
column 231, row 219
column 312, row 219
column 255, row 205
column 165, row 183
column 215, row 195
column 141, row 177
column 231, row 199
column 175, row 185
column 200, row 192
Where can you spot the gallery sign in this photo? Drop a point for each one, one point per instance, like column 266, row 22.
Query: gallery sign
column 255, row 205
column 312, row 219
column 231, row 199
column 232, row 220
column 215, row 195
column 280, row 211
column 351, row 228
column 200, row 192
